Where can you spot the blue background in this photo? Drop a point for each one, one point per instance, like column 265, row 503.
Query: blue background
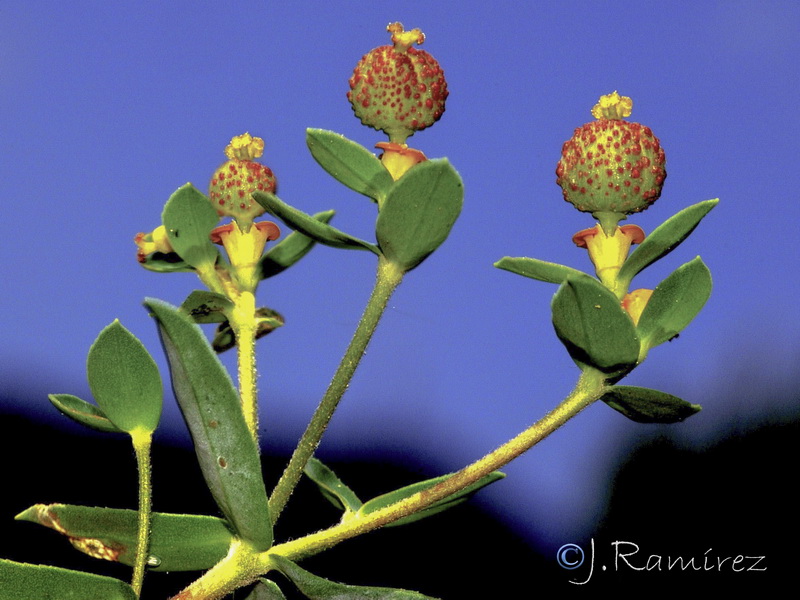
column 106, row 109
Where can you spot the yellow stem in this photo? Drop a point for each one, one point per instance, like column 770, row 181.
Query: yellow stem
column 243, row 322
column 141, row 445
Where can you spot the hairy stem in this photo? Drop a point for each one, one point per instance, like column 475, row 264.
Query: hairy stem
column 243, row 323
column 388, row 278
column 216, row 583
column 141, row 445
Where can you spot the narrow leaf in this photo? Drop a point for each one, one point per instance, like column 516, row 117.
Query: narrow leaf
column 675, row 303
column 124, row 380
column 207, row 307
column 419, row 212
column 664, row 239
column 177, row 542
column 590, row 322
column 227, row 454
column 537, row 269
column 450, row 501
column 290, row 249
column 21, row 581
column 349, row 163
column 83, row 412
column 309, row 226
column 317, row 588
column 341, row 496
column 649, row 406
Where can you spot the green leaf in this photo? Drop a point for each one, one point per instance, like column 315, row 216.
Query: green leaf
column 226, row 451
column 207, row 307
column 589, row 321
column 267, row 321
column 317, row 588
column 664, row 239
column 538, row 269
column 159, row 262
column 419, row 212
column 290, row 249
column 349, row 163
column 20, row 581
column 266, row 590
column 177, row 542
column 124, row 380
column 648, row 406
column 83, row 412
column 341, row 496
column 189, row 218
column 448, row 502
column 309, row 226
column 674, row 303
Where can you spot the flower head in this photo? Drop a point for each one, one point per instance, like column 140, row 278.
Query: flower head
column 398, row 89
column 236, row 179
column 610, row 167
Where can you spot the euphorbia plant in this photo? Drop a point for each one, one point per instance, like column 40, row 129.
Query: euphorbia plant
column 610, row 168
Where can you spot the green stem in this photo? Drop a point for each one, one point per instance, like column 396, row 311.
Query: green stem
column 243, row 565
column 141, row 446
column 243, row 323
column 590, row 387
column 388, row 278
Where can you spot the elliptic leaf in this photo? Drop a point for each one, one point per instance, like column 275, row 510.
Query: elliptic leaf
column 590, row 322
column 674, row 303
column 83, row 412
column 226, row 451
column 309, row 226
column 341, row 496
column 349, row 163
column 189, row 218
column 21, row 581
column 266, row 590
column 290, row 249
column 419, row 212
column 664, row 239
column 158, row 262
column 385, row 500
column 177, row 542
column 317, row 588
column 649, row 406
column 124, row 380
column 207, row 307
column 537, row 269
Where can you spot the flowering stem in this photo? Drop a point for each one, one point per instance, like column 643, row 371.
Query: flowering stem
column 388, row 278
column 222, row 579
column 141, row 445
column 243, row 323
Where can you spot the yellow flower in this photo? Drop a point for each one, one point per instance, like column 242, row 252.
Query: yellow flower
column 608, row 252
column 399, row 158
column 613, row 106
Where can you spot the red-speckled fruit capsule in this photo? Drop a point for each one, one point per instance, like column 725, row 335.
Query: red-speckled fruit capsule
column 398, row 89
column 610, row 166
column 233, row 183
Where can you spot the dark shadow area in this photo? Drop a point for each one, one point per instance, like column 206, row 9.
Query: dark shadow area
column 734, row 498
